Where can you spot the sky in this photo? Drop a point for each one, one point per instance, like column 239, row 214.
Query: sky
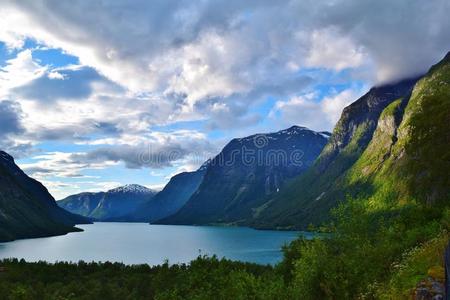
column 97, row 94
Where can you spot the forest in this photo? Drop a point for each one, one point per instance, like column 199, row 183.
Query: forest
column 372, row 256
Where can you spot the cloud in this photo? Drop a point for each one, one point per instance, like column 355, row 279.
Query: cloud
column 402, row 38
column 11, row 129
column 69, row 83
column 219, row 47
column 155, row 150
column 19, row 71
column 60, row 165
column 10, row 118
column 197, row 56
column 307, row 110
column 330, row 49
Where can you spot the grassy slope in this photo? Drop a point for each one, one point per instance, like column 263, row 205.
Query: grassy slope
column 392, row 231
column 408, row 159
column 310, row 197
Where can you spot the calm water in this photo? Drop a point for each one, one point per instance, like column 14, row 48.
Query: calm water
column 135, row 243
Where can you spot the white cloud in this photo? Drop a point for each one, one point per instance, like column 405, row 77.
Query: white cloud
column 333, row 105
column 329, row 49
column 60, row 189
column 307, row 110
column 150, row 46
column 187, row 54
column 19, row 71
column 60, row 164
column 154, row 150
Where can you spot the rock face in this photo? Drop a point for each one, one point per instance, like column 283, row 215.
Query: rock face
column 246, row 172
column 359, row 121
column 168, row 201
column 27, row 209
column 104, row 206
column 384, row 149
column 429, row 289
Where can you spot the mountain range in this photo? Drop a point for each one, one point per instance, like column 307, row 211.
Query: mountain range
column 109, row 205
column 389, row 147
column 168, row 201
column 244, row 172
column 384, row 146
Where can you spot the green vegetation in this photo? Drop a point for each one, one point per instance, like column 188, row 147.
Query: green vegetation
column 362, row 259
column 368, row 255
column 204, row 278
column 392, row 228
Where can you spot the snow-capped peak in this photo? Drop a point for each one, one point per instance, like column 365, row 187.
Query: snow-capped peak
column 132, row 188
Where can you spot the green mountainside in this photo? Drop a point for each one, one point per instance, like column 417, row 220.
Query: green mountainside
column 309, row 198
column 27, row 210
column 391, row 226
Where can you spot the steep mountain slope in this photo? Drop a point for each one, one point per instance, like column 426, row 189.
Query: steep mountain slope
column 408, row 159
column 245, row 172
column 108, row 205
column 26, row 207
column 404, row 160
column 168, row 201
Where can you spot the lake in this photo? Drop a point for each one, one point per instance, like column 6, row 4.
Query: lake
column 137, row 243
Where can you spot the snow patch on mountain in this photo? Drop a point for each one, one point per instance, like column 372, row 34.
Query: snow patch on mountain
column 132, row 188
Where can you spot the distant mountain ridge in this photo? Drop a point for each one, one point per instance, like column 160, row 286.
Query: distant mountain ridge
column 27, row 209
column 103, row 206
column 168, row 201
column 245, row 172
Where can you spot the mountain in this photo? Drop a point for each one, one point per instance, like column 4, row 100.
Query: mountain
column 390, row 145
column 27, row 209
column 104, row 206
column 245, row 172
column 168, row 201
